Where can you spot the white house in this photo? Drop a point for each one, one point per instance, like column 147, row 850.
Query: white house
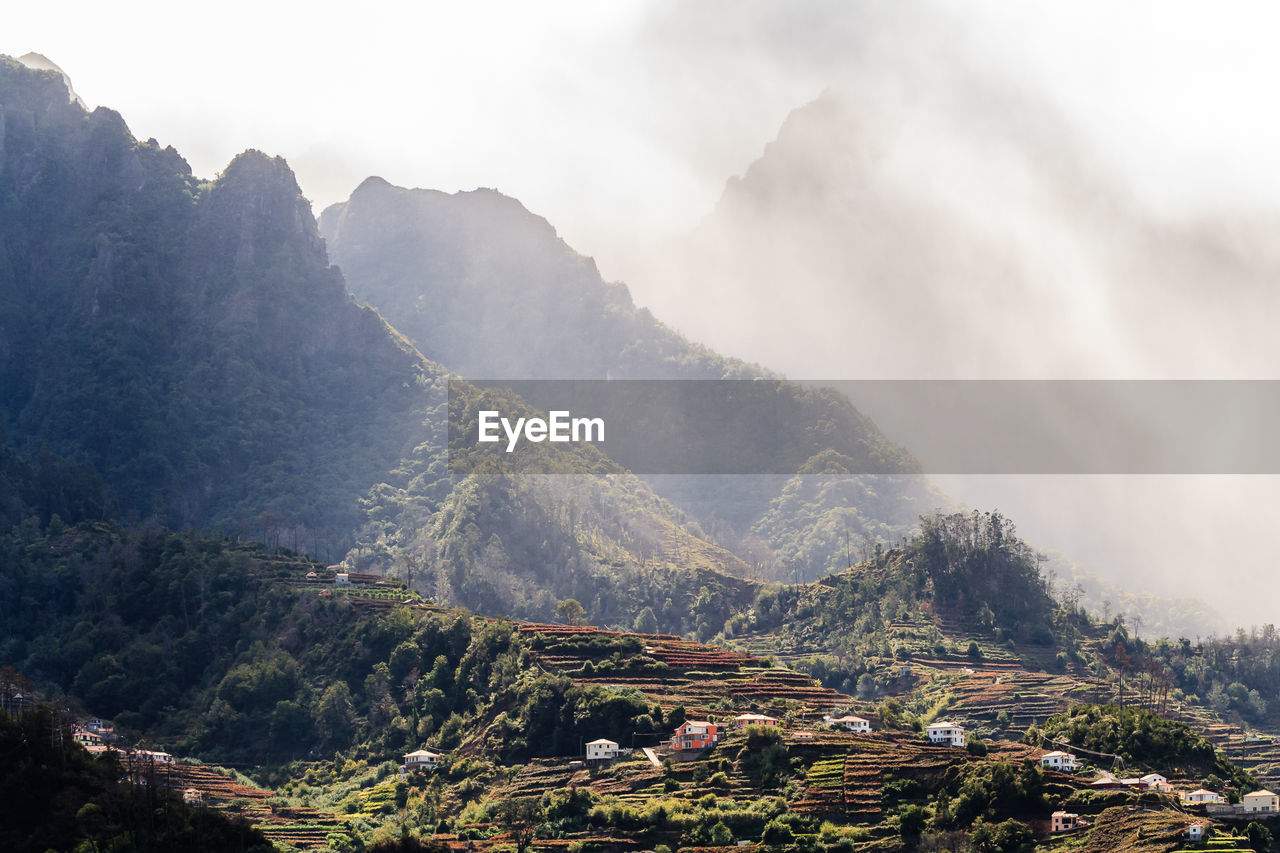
column 1058, row 760
column 1260, row 801
column 1156, row 782
column 1202, row 796
column 946, row 733
column 192, row 797
column 342, row 578
column 151, row 755
column 850, row 722
column 1195, row 832
column 602, row 750
column 419, row 759
column 744, row 720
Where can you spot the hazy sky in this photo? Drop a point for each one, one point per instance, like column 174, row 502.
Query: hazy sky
column 620, row 121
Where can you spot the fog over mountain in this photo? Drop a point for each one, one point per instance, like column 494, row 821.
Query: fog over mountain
column 912, row 224
column 1078, row 190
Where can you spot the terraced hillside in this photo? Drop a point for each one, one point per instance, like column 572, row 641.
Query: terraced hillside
column 671, row 671
column 300, row 827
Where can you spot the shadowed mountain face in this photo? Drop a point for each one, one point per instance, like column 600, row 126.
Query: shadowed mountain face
column 187, row 339
column 190, row 342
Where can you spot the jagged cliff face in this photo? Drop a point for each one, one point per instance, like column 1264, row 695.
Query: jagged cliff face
column 188, row 339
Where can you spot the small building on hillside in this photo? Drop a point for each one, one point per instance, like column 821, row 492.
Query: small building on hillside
column 153, row 756
column 694, row 735
column 1260, row 802
column 419, row 759
column 1064, row 821
column 744, row 720
column 1202, row 796
column 342, row 579
column 1195, row 832
column 84, row 737
column 850, row 722
column 312, row 576
column 192, row 797
column 946, row 733
column 602, row 750
column 1156, row 782
column 1058, row 760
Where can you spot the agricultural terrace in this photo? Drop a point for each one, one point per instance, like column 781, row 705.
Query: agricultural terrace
column 671, row 671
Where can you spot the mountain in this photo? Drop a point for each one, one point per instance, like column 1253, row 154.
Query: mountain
column 40, row 62
column 188, row 339
column 182, row 350
column 481, row 284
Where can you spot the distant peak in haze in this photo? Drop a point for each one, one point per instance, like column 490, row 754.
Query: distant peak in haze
column 40, row 62
column 373, row 183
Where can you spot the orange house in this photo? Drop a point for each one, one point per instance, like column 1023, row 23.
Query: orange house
column 693, row 735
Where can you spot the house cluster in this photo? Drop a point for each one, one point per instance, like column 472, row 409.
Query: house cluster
column 1253, row 803
column 94, row 734
column 700, row 735
column 98, row 736
column 149, row 756
column 1107, row 781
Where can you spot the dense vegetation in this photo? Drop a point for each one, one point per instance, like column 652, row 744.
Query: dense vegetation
column 1140, row 738
column 54, row 796
column 226, row 653
column 1235, row 675
column 970, row 569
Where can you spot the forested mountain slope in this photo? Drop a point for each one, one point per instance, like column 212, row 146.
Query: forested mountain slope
column 185, row 352
column 488, row 288
column 188, row 339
